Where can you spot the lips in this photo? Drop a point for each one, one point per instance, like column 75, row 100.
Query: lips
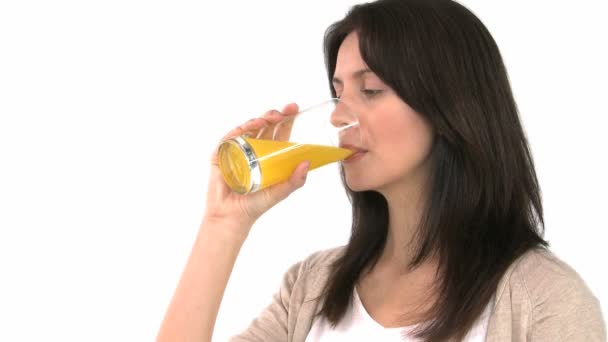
column 358, row 152
column 353, row 148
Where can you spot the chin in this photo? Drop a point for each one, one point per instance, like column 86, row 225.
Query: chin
column 357, row 189
column 358, row 184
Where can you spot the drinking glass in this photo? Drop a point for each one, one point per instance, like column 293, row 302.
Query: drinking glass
column 321, row 134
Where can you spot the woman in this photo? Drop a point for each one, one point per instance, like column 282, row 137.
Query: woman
column 446, row 241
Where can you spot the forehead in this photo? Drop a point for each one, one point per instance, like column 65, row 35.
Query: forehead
column 349, row 57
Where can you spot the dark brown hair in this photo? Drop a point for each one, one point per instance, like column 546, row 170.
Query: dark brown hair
column 484, row 208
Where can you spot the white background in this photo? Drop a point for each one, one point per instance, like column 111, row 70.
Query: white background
column 109, row 111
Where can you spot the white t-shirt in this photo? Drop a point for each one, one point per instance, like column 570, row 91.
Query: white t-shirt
column 357, row 325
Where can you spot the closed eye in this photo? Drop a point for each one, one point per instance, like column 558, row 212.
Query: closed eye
column 367, row 92
column 371, row 92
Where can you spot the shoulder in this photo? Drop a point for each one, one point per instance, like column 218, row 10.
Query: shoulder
column 317, row 262
column 290, row 314
column 556, row 299
column 311, row 272
column 540, row 272
column 322, row 259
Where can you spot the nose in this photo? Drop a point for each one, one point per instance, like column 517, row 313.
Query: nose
column 342, row 115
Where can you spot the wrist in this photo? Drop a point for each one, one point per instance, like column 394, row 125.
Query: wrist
column 228, row 230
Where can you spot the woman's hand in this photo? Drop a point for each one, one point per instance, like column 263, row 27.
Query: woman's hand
column 241, row 211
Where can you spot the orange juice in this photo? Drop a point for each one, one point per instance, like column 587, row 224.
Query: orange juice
column 248, row 164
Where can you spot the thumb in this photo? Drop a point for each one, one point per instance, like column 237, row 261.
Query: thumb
column 295, row 181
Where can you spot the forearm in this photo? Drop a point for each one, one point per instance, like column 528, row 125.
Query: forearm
column 195, row 304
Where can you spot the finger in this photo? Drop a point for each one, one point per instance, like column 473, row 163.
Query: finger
column 280, row 126
column 290, row 109
column 295, row 181
column 252, row 126
column 272, row 117
column 283, row 131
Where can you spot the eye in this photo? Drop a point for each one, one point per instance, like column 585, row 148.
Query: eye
column 371, row 92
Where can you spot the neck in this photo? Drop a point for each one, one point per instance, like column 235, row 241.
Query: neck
column 406, row 205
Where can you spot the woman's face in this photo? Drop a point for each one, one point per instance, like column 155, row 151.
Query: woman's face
column 395, row 140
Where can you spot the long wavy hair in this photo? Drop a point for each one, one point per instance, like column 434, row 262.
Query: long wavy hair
column 484, row 207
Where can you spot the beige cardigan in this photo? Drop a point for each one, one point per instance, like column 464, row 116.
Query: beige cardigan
column 540, row 298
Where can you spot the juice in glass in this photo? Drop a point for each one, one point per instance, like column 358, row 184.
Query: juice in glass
column 249, row 164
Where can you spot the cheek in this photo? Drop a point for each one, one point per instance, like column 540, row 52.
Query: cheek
column 405, row 136
column 419, row 135
column 403, row 129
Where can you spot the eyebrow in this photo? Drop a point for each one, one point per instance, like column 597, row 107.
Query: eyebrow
column 356, row 74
